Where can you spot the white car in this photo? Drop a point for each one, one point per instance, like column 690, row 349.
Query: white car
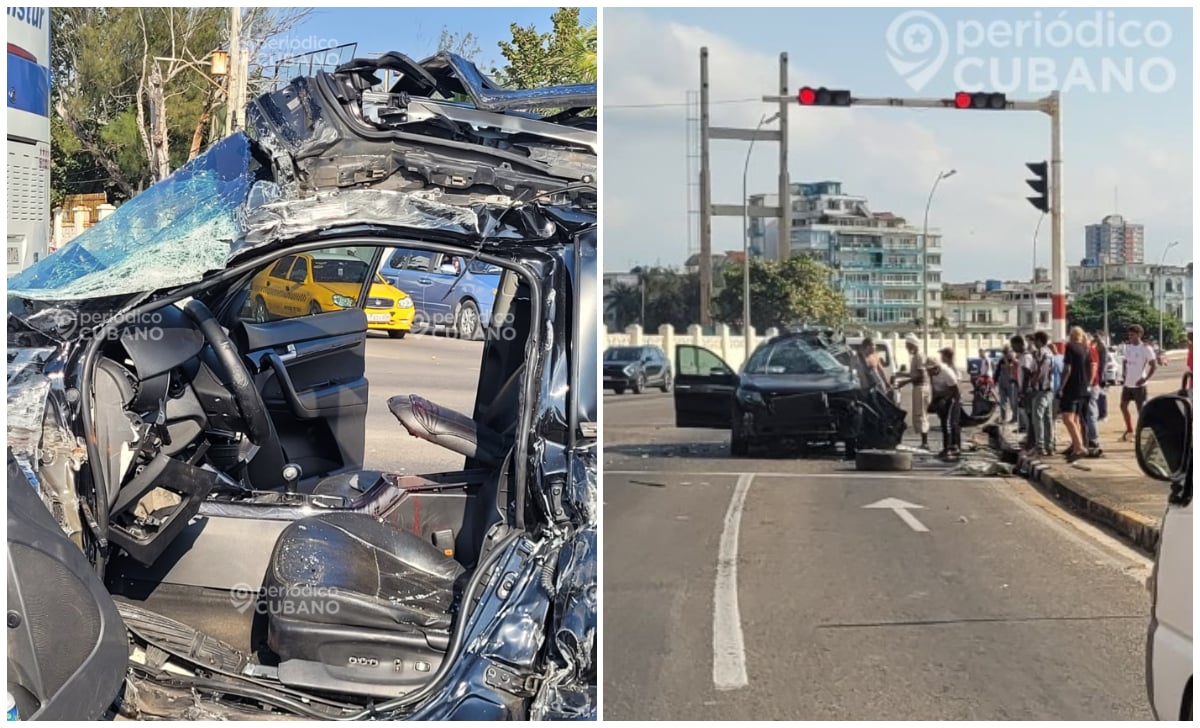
column 1114, row 370
column 1164, row 452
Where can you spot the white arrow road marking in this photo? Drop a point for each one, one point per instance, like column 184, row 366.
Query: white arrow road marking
column 901, row 509
column 729, row 648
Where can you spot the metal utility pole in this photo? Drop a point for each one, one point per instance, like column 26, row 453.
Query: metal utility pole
column 1058, row 273
column 706, row 282
column 745, row 210
column 1033, row 279
column 234, row 79
column 1104, row 287
column 783, row 245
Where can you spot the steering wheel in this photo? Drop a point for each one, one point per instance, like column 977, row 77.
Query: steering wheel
column 258, row 423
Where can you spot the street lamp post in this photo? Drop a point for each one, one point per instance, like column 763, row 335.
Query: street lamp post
column 1033, row 280
column 1162, row 298
column 925, row 262
column 749, row 343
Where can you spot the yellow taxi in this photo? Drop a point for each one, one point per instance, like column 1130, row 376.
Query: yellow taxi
column 310, row 283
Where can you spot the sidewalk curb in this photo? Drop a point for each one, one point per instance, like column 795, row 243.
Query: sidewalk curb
column 1136, row 528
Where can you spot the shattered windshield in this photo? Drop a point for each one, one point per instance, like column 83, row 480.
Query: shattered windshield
column 169, row 235
column 793, row 356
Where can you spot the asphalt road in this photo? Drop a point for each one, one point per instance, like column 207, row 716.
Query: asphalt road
column 766, row 589
column 439, row 368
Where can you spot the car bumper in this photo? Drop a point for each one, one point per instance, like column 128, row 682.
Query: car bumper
column 808, row 416
column 611, row 382
column 395, row 319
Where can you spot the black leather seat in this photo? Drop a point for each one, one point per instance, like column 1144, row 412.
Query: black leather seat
column 448, row 428
column 357, row 605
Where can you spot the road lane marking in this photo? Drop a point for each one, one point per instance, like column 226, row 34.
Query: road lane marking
column 729, row 647
column 901, row 508
column 932, row 477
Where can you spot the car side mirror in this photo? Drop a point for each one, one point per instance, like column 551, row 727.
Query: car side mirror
column 1164, row 437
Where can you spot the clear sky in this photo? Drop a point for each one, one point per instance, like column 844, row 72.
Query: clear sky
column 415, row 31
column 1127, row 139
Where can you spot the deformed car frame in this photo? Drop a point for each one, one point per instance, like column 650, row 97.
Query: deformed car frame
column 826, row 396
column 153, row 494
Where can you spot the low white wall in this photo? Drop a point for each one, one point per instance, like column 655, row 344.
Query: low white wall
column 731, row 347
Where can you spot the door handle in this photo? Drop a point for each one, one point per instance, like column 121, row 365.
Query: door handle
column 425, row 281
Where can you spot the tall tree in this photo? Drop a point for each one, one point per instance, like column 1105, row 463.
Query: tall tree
column 781, row 293
column 565, row 55
column 460, row 44
column 1125, row 308
column 624, row 303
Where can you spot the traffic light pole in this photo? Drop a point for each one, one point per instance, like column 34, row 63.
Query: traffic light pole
column 1051, row 106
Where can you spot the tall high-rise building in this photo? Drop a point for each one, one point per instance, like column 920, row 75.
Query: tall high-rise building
column 876, row 258
column 1114, row 241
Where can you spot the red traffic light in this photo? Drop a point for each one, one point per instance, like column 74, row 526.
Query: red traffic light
column 981, row 100
column 810, row 96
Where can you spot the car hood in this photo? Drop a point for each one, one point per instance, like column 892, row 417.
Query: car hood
column 783, row 384
column 329, row 168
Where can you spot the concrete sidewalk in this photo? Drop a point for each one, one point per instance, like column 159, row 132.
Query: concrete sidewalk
column 1110, row 490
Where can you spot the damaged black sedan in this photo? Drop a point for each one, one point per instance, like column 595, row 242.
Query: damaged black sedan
column 192, row 532
column 804, row 388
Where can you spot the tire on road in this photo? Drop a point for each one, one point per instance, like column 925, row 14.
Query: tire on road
column 396, row 334
column 666, row 385
column 618, row 390
column 639, row 384
column 888, row 461
column 467, row 324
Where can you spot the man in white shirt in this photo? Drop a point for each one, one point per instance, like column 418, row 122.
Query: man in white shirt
column 947, row 403
column 919, row 380
column 1140, row 365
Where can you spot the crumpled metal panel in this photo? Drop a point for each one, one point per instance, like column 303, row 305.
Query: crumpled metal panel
column 28, row 386
column 285, row 219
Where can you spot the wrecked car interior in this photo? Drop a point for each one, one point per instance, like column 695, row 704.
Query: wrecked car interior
column 217, row 548
column 805, row 387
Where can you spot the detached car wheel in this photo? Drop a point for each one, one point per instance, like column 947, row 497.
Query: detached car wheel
column 882, row 461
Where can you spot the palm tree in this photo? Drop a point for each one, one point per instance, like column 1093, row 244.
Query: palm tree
column 624, row 302
column 583, row 54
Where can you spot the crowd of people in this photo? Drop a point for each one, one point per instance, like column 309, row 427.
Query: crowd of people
column 1032, row 384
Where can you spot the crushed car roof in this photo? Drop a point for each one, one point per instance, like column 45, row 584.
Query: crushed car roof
column 329, row 152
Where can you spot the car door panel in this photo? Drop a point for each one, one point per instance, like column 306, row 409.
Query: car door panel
column 312, row 376
column 704, row 389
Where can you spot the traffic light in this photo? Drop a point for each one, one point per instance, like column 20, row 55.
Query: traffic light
column 981, row 100
column 810, row 96
column 1040, row 185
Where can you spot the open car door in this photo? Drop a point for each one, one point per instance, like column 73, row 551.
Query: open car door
column 704, row 387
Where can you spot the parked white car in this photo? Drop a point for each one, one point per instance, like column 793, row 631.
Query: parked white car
column 1164, row 452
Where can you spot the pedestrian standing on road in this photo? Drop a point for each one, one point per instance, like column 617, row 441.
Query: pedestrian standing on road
column 947, row 403
column 1024, row 373
column 870, row 361
column 1042, row 390
column 1072, row 391
column 1006, row 385
column 1101, row 347
column 1091, row 417
column 1140, row 365
column 919, row 379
